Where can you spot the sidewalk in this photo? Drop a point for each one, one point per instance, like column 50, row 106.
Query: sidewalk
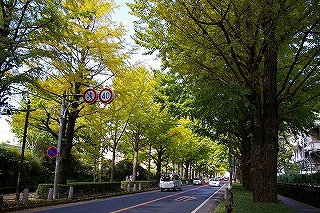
column 297, row 206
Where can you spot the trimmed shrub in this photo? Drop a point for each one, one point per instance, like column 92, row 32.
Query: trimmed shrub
column 300, row 179
column 305, row 194
column 79, row 188
column 144, row 184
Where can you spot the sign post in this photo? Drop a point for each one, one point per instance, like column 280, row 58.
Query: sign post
column 62, row 119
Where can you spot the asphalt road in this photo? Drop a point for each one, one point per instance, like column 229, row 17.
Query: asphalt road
column 190, row 199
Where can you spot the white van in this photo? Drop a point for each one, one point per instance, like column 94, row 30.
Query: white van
column 170, row 181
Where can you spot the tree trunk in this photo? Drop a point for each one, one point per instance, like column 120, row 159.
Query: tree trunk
column 159, row 162
column 245, row 177
column 112, row 166
column 66, row 147
column 181, row 170
column 67, row 140
column 186, row 170
column 149, row 163
column 265, row 134
column 135, row 165
column 264, row 168
column 245, row 164
column 158, row 172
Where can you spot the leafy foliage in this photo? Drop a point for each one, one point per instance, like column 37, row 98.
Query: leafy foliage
column 19, row 24
column 33, row 171
column 248, row 67
column 123, row 169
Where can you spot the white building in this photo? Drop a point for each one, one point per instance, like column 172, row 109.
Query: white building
column 307, row 153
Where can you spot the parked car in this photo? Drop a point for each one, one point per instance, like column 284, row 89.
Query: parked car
column 169, row 181
column 214, row 182
column 197, row 181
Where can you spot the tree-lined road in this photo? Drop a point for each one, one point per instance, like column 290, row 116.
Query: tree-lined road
column 189, row 200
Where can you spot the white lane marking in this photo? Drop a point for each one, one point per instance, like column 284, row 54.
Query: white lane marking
column 204, row 202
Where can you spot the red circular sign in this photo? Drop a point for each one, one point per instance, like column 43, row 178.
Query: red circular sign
column 90, row 96
column 106, row 96
column 52, row 152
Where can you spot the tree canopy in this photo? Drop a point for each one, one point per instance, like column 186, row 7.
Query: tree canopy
column 263, row 55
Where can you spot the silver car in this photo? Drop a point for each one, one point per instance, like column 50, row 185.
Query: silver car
column 170, row 181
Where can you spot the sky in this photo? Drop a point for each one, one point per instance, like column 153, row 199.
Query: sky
column 121, row 15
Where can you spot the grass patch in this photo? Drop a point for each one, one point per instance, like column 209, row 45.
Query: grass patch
column 243, row 203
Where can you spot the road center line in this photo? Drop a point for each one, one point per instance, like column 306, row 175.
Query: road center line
column 151, row 201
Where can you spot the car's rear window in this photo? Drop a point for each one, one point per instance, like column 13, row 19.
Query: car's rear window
column 165, row 178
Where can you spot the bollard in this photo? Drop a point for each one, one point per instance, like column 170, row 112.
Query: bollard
column 134, row 187
column 139, row 186
column 1, row 200
column 128, row 187
column 50, row 194
column 25, row 195
column 70, row 195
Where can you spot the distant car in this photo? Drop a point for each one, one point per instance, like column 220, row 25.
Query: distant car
column 214, row 182
column 169, row 181
column 197, row 181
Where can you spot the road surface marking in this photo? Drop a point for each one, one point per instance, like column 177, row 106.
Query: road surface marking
column 204, row 202
column 151, row 201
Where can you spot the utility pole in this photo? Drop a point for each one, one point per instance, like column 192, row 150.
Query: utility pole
column 22, row 150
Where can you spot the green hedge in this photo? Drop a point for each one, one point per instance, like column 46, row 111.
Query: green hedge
column 305, row 194
column 79, row 188
column 144, row 184
column 300, row 179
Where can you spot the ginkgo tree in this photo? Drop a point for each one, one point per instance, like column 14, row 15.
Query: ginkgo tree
column 267, row 50
column 159, row 137
column 187, row 148
column 138, row 93
column 83, row 51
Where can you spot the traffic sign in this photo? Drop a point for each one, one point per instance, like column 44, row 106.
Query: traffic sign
column 106, row 96
column 90, row 96
column 52, row 152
